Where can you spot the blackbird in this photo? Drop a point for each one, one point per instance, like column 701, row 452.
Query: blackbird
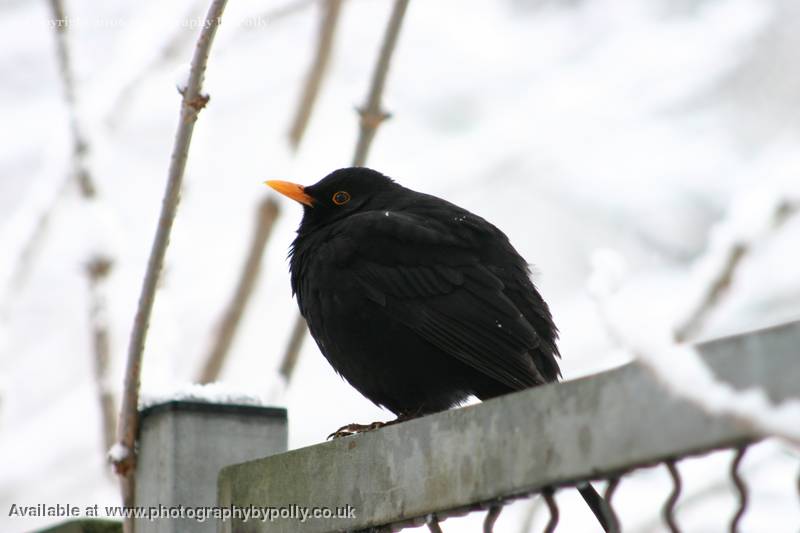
column 418, row 303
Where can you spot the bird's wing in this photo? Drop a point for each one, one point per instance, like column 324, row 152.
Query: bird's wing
column 423, row 273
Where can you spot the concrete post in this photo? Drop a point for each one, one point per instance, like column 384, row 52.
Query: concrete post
column 182, row 447
column 451, row 462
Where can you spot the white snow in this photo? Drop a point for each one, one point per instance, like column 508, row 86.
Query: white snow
column 633, row 129
column 680, row 368
column 608, row 273
column 182, row 78
column 219, row 393
column 118, row 452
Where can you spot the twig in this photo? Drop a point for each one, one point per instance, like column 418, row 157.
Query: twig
column 99, row 266
column 79, row 145
column 32, row 242
column 266, row 214
column 371, row 113
column 293, row 349
column 716, row 290
column 681, row 370
column 371, row 116
column 720, row 282
column 174, row 45
column 317, row 71
column 97, row 271
column 80, row 148
column 192, row 102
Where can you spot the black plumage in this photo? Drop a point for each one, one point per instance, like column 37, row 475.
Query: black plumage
column 418, row 303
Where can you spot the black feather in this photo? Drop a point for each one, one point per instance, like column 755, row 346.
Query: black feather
column 417, row 302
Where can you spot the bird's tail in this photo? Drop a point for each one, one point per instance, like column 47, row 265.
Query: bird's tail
column 599, row 507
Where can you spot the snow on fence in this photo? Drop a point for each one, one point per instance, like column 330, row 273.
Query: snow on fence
column 532, row 442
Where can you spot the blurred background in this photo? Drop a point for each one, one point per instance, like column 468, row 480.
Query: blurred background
column 638, row 138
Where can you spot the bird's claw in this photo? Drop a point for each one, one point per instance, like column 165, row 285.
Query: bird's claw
column 354, row 429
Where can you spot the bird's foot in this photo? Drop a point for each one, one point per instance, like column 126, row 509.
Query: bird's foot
column 353, row 429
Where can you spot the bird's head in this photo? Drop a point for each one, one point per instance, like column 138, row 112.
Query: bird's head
column 340, row 194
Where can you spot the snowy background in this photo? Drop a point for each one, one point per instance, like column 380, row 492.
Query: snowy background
column 639, row 134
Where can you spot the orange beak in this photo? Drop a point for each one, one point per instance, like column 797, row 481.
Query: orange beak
column 292, row 190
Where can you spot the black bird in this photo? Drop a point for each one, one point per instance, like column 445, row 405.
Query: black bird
column 418, row 303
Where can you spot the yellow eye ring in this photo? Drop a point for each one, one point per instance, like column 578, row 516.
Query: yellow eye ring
column 341, row 197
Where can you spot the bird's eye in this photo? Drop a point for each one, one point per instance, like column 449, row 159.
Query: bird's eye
column 341, row 197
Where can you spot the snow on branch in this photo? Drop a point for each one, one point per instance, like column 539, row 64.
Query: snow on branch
column 754, row 213
column 99, row 224
column 681, row 369
column 192, row 103
column 98, row 270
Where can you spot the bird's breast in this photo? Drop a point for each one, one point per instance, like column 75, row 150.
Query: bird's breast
column 320, row 271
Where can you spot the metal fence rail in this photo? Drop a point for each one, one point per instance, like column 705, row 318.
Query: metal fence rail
column 534, row 441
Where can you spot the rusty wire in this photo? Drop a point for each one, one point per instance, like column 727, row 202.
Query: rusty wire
column 491, row 518
column 552, row 506
column 741, row 488
column 668, row 511
column 669, row 505
column 433, row 524
column 613, row 520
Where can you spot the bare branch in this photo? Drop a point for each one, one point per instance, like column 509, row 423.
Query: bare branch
column 175, row 43
column 172, row 46
column 80, row 147
column 371, row 117
column 97, row 271
column 317, row 71
column 192, row 102
column 717, row 288
column 35, row 237
column 99, row 266
column 681, row 369
column 267, row 212
column 293, row 349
